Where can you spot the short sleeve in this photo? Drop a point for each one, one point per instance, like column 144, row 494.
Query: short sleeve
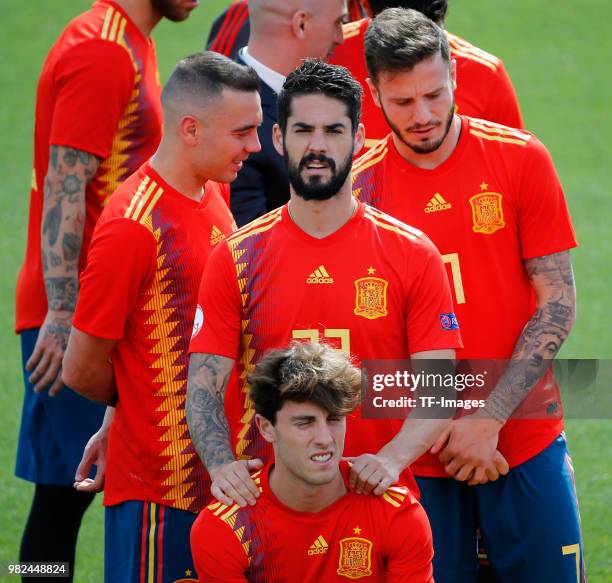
column 545, row 226
column 94, row 81
column 217, row 554
column 120, row 264
column 503, row 104
column 220, row 305
column 431, row 322
column 409, row 547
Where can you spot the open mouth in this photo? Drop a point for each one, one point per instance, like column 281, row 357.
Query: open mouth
column 322, row 458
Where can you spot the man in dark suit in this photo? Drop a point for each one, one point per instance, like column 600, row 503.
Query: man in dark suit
column 283, row 33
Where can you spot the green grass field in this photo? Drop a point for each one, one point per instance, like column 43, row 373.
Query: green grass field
column 557, row 54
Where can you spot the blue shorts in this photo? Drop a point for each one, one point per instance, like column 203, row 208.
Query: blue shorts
column 145, row 542
column 54, row 430
column 529, row 522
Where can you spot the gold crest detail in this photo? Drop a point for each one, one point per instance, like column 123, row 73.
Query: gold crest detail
column 355, row 558
column 487, row 212
column 371, row 297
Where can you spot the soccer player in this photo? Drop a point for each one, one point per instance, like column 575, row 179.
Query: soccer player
column 230, row 30
column 97, row 119
column 484, row 89
column 129, row 339
column 283, row 34
column 322, row 267
column 490, row 198
column 307, row 520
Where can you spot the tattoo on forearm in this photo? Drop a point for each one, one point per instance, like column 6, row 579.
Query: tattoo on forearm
column 208, row 427
column 58, row 329
column 61, row 293
column 543, row 335
column 63, row 220
column 51, row 225
column 71, row 245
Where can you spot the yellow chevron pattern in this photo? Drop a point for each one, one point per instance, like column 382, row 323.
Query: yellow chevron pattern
column 389, row 224
column 112, row 171
column 247, row 352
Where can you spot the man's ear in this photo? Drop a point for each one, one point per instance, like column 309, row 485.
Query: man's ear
column 453, row 73
column 359, row 139
column 265, row 428
column 277, row 139
column 373, row 91
column 188, row 129
column 299, row 23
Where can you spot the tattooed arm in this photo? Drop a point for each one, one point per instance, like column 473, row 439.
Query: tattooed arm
column 207, row 381
column 63, row 220
column 475, row 436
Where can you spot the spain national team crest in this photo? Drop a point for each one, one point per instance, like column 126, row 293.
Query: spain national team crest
column 487, row 212
column 371, row 297
column 355, row 558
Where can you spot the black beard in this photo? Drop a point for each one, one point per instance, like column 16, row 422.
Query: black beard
column 315, row 189
column 168, row 10
column 425, row 148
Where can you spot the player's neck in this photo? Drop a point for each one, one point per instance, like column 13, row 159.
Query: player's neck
column 300, row 496
column 431, row 160
column 177, row 174
column 321, row 218
column 142, row 14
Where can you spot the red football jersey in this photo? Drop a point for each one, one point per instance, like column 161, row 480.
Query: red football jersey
column 484, row 89
column 494, row 202
column 98, row 92
column 140, row 288
column 370, row 538
column 375, row 288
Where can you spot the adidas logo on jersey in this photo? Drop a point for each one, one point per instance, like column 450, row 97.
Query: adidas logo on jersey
column 319, row 547
column 437, row 203
column 319, row 275
column 216, row 236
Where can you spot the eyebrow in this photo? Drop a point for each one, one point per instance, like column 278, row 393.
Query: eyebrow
column 245, row 128
column 302, row 418
column 306, row 126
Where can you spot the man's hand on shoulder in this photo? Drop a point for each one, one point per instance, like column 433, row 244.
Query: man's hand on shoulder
column 232, row 482
column 373, row 473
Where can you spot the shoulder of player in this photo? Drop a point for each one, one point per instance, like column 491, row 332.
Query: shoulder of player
column 101, row 33
column 135, row 199
column 372, row 159
column 465, row 52
column 395, row 500
column 256, row 227
column 391, row 228
column 489, row 133
column 355, row 29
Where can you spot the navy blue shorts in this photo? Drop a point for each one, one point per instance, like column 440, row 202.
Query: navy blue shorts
column 145, row 542
column 54, row 430
column 529, row 522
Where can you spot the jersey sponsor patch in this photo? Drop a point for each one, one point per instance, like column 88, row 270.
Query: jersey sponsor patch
column 198, row 321
column 449, row 321
column 437, row 203
column 318, row 547
column 319, row 275
column 216, row 235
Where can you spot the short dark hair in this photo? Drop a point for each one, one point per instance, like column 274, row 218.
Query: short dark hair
column 434, row 9
column 399, row 38
column 317, row 77
column 305, row 373
column 206, row 74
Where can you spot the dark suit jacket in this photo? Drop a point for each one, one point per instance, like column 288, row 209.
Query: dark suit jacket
column 263, row 184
